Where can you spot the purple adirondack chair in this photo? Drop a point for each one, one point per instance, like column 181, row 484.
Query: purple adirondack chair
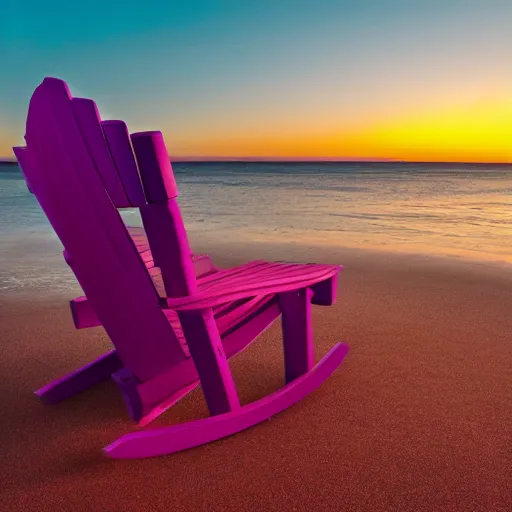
column 81, row 170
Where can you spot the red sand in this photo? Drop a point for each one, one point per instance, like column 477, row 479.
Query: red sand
column 418, row 418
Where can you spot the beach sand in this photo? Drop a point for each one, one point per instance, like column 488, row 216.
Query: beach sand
column 417, row 418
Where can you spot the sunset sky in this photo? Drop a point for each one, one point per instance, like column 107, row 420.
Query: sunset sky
column 403, row 79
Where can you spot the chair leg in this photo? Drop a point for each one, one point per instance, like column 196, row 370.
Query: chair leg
column 127, row 383
column 211, row 363
column 93, row 373
column 324, row 293
column 299, row 351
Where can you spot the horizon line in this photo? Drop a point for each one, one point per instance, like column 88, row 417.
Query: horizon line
column 227, row 159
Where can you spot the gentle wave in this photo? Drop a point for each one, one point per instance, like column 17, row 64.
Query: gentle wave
column 454, row 210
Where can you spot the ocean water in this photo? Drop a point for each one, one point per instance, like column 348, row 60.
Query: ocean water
column 456, row 210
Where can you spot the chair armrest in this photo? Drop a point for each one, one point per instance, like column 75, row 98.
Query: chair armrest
column 253, row 279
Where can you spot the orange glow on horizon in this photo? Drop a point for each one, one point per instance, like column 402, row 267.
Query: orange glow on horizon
column 477, row 132
column 480, row 131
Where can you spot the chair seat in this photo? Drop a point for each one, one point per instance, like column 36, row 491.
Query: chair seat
column 228, row 316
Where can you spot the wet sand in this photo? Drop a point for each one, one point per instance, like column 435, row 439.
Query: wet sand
column 417, row 418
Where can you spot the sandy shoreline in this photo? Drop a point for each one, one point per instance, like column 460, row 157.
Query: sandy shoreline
column 419, row 416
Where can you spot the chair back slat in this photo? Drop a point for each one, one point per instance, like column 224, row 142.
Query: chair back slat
column 162, row 216
column 88, row 119
column 154, row 166
column 103, row 257
column 118, row 140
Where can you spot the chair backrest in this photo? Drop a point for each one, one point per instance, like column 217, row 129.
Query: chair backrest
column 81, row 170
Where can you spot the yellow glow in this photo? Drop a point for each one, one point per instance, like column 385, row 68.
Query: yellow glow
column 477, row 132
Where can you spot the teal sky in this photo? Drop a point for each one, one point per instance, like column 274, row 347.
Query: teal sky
column 254, row 77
